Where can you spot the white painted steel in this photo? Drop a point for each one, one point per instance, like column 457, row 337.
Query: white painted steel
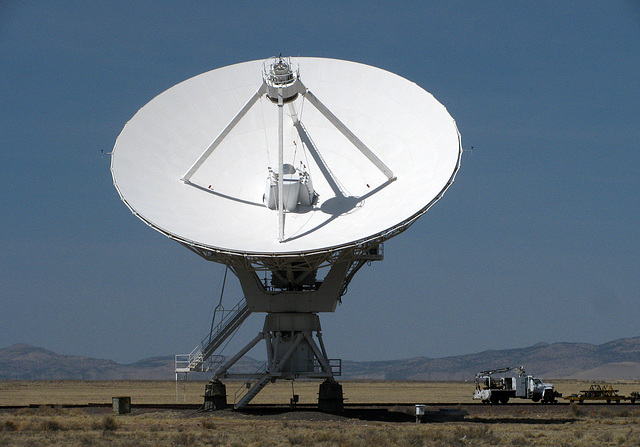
column 280, row 167
column 221, row 206
column 347, row 133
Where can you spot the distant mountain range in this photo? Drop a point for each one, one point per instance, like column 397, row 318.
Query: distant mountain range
column 619, row 359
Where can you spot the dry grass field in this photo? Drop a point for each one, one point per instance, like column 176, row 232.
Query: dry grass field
column 537, row 425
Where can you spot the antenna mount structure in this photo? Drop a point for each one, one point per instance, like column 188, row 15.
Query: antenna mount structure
column 239, row 169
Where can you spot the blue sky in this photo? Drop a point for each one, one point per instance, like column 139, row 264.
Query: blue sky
column 537, row 240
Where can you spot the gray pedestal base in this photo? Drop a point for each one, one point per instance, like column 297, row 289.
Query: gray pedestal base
column 330, row 398
column 215, row 396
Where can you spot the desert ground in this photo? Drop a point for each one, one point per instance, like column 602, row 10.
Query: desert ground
column 78, row 413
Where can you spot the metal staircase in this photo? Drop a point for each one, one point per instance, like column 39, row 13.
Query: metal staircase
column 251, row 389
column 197, row 359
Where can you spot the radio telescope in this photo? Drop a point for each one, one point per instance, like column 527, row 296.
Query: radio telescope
column 292, row 173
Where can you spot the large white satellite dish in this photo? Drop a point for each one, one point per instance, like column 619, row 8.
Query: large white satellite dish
column 222, row 207
column 285, row 167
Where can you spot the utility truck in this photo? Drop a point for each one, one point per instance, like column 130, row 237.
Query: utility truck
column 499, row 385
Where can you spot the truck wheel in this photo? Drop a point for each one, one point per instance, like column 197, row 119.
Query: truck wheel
column 494, row 398
column 504, row 399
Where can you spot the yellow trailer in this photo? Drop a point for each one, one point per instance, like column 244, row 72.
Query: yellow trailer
column 602, row 392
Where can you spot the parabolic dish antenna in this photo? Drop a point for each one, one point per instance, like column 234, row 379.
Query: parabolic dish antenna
column 195, row 162
column 288, row 169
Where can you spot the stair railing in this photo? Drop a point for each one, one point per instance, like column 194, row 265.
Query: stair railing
column 248, row 385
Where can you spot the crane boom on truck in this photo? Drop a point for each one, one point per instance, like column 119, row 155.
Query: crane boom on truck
column 501, row 384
